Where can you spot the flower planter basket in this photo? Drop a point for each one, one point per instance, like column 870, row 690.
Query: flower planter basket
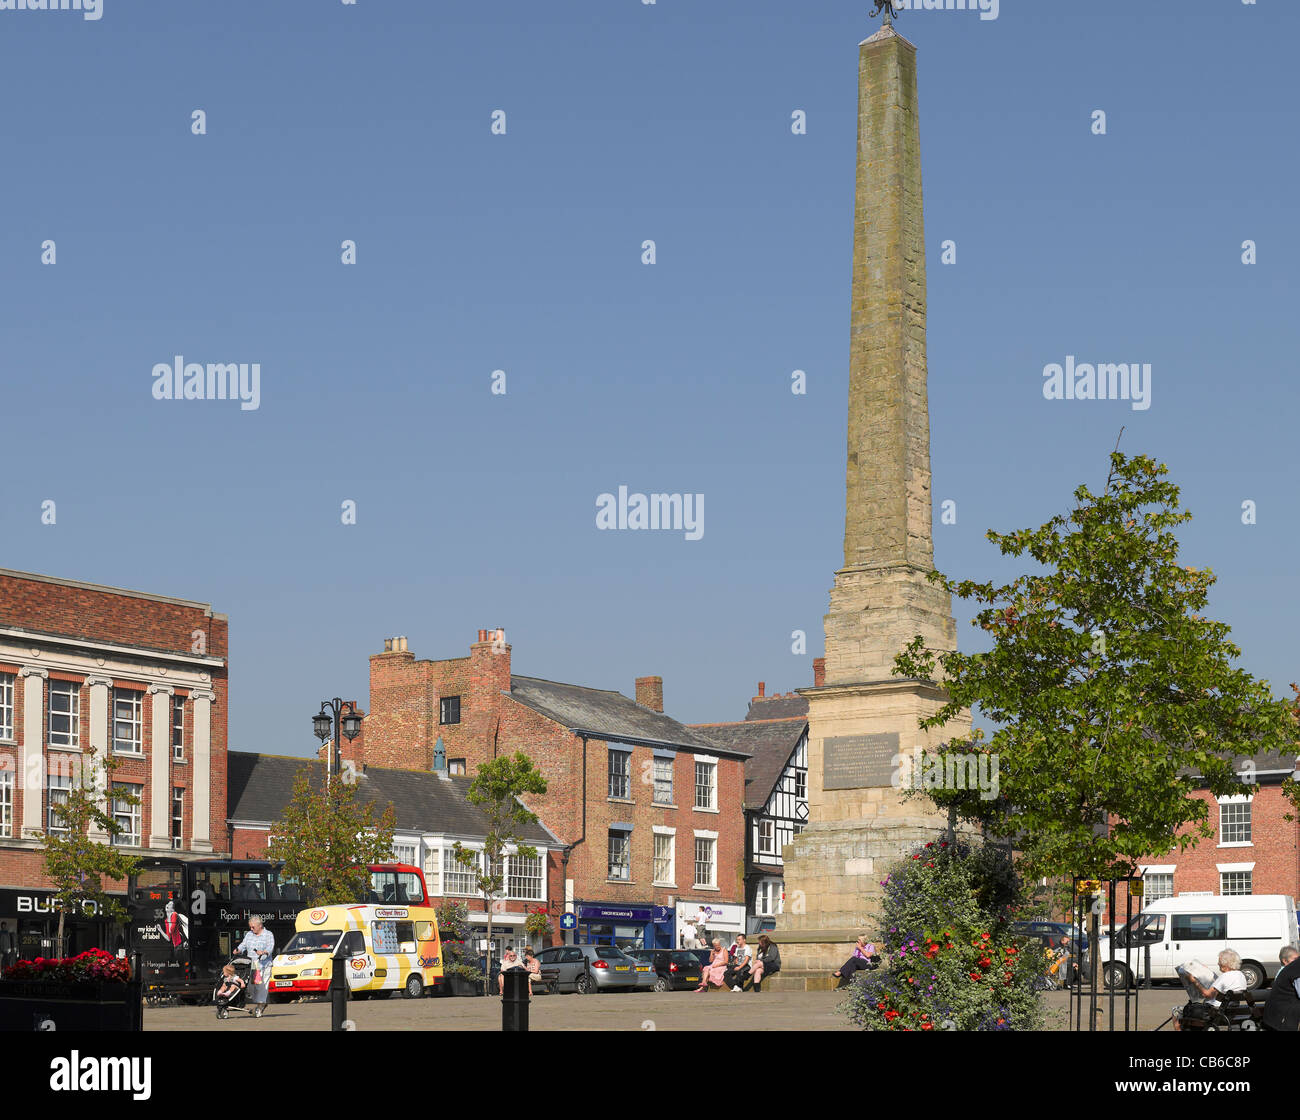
column 70, row 1006
column 463, row 986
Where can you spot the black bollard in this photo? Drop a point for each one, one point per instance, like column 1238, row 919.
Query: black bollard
column 339, row 986
column 514, row 1000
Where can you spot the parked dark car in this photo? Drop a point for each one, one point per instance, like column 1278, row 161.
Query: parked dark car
column 587, row 968
column 1050, row 933
column 701, row 955
column 676, row 969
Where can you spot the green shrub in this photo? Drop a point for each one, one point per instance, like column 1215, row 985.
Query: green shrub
column 951, row 960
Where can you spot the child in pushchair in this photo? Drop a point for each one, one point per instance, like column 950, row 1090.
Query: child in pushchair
column 230, row 993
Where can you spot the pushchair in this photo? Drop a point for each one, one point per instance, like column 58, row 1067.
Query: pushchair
column 239, row 1001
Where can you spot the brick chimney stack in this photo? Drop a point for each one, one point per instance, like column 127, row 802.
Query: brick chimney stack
column 819, row 672
column 762, row 693
column 650, row 693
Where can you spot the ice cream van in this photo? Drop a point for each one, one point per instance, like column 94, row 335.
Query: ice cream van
column 389, row 949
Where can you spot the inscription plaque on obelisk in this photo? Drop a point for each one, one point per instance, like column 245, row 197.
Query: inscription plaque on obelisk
column 860, row 716
column 858, row 761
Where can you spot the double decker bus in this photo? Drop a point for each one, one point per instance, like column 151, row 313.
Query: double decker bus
column 187, row 916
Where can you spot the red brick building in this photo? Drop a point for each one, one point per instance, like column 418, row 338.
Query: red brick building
column 649, row 811
column 432, row 815
column 1254, row 850
column 90, row 672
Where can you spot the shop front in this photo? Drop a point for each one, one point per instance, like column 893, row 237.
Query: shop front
column 29, row 925
column 636, row 926
column 703, row 921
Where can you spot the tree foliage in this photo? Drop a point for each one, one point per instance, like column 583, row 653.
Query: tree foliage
column 77, row 866
column 1110, row 687
column 496, row 788
column 327, row 837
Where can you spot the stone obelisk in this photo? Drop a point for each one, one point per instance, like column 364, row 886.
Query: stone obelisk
column 861, row 717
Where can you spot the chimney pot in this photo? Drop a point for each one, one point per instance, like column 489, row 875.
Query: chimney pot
column 761, row 686
column 819, row 672
column 388, row 645
column 482, row 635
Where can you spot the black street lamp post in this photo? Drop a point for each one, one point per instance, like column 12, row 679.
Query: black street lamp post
column 337, row 717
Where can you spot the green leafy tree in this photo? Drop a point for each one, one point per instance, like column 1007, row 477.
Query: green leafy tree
column 496, row 789
column 1110, row 687
column 327, row 837
column 78, row 866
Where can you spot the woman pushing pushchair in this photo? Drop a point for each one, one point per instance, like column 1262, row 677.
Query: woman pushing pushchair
column 258, row 947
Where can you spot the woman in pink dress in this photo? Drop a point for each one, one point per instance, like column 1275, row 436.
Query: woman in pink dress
column 716, row 969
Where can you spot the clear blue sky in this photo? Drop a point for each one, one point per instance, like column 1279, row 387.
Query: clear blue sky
column 521, row 252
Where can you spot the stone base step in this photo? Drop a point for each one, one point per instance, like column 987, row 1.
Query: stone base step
column 799, row 980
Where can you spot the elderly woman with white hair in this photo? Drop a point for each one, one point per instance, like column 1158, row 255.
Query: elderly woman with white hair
column 1230, row 978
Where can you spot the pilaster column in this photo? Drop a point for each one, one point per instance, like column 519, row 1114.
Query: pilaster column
column 31, row 752
column 101, row 692
column 160, row 794
column 202, row 765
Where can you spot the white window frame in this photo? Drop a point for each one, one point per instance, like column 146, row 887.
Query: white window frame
column 1224, row 876
column 72, row 737
column 133, row 721
column 133, row 815
column 178, row 725
column 658, row 781
column 670, row 835
column 178, row 817
column 770, row 848
column 412, row 846
column 712, row 839
column 7, row 684
column 711, row 764
column 625, row 776
column 769, row 898
column 514, row 877
column 56, row 784
column 454, row 872
column 6, row 803
column 610, row 866
column 1249, row 823
column 1149, row 878
column 433, row 867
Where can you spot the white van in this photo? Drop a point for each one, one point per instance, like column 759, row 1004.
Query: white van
column 1199, row 927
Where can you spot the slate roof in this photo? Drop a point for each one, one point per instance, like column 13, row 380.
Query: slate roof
column 769, row 742
column 260, row 786
column 778, row 707
column 610, row 716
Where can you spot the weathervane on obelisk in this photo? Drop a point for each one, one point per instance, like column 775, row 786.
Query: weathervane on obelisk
column 887, row 6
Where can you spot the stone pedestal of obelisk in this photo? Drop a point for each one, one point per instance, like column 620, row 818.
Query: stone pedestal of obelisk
column 862, row 716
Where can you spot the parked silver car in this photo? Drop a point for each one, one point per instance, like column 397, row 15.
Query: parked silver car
column 588, row 969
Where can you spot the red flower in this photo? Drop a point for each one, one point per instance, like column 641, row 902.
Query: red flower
column 974, row 975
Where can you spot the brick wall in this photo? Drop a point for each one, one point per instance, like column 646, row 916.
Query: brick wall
column 403, row 724
column 148, row 626
column 1274, row 849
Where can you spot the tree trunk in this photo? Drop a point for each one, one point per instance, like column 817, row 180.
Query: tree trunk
column 487, row 953
column 59, row 936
